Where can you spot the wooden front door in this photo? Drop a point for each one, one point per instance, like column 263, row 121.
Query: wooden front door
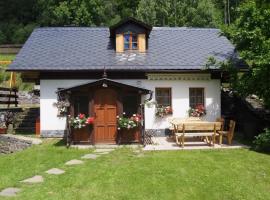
column 105, row 111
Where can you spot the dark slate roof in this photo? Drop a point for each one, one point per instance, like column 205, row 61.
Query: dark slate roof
column 83, row 48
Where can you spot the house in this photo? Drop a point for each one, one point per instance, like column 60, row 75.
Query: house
column 124, row 68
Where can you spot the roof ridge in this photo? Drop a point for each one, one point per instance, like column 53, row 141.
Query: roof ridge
column 106, row 28
column 185, row 28
column 71, row 28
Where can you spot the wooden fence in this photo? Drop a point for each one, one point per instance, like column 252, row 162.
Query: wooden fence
column 8, row 96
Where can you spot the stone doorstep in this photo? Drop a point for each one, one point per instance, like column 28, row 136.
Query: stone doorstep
column 55, row 171
column 9, row 192
column 74, row 162
column 34, row 179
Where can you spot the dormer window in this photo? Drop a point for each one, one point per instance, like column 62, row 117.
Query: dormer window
column 130, row 34
column 130, row 41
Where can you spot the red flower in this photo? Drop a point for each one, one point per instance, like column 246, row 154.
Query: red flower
column 90, row 120
column 81, row 116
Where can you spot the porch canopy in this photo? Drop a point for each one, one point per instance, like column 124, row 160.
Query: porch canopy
column 105, row 83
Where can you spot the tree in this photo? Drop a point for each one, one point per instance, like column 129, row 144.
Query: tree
column 251, row 35
column 198, row 13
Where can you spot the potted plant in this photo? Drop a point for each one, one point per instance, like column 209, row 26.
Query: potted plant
column 129, row 128
column 3, row 128
column 6, row 120
column 199, row 111
column 81, row 127
column 162, row 111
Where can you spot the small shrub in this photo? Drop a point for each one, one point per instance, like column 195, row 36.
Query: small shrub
column 262, row 141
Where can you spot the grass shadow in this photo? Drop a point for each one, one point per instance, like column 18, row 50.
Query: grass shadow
column 60, row 143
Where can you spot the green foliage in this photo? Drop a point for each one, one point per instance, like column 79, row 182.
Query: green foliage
column 21, row 33
column 250, row 33
column 178, row 13
column 262, row 141
column 19, row 17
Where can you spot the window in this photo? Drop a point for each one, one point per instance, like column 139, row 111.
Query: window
column 130, row 104
column 81, row 105
column 130, row 41
column 163, row 96
column 196, row 97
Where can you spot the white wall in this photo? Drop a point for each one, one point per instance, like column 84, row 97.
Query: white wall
column 180, row 100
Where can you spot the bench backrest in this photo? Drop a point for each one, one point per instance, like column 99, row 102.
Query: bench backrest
column 198, row 126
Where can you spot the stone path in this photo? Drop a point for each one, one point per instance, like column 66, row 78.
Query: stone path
column 74, row 162
column 9, row 192
column 90, row 156
column 34, row 179
column 55, row 171
column 103, row 150
column 12, row 191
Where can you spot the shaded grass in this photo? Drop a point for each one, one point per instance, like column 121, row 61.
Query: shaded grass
column 208, row 174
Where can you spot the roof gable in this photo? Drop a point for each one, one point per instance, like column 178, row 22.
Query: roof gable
column 130, row 24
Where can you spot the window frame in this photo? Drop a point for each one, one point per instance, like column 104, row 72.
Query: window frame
column 130, row 42
column 170, row 95
column 203, row 97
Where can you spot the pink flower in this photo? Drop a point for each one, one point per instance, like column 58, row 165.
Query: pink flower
column 90, row 120
column 81, row 116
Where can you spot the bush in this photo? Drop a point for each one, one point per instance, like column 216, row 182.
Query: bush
column 21, row 34
column 262, row 141
column 2, row 37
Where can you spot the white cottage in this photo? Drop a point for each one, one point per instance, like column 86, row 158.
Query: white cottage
column 131, row 67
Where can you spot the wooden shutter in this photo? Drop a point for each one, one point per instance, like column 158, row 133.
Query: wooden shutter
column 119, row 43
column 141, row 42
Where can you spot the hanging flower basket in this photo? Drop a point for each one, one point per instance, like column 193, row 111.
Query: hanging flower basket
column 62, row 107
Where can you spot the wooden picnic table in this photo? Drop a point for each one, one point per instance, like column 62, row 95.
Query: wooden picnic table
column 184, row 128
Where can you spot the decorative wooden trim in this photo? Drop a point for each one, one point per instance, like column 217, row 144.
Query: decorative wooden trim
column 141, row 43
column 119, row 43
column 182, row 77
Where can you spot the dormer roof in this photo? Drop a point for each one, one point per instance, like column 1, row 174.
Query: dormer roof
column 130, row 24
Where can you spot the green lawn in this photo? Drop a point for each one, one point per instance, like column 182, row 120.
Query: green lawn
column 208, row 174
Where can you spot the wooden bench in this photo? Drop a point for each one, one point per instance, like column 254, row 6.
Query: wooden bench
column 196, row 129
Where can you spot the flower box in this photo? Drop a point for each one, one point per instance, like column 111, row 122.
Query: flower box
column 127, row 136
column 81, row 135
column 3, row 130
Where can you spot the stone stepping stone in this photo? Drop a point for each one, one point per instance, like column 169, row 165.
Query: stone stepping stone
column 9, row 192
column 103, row 150
column 34, row 179
column 103, row 153
column 90, row 156
column 55, row 171
column 74, row 162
